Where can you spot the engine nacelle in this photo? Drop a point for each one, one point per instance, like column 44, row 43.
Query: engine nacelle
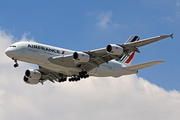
column 114, row 49
column 30, row 81
column 33, row 74
column 81, row 57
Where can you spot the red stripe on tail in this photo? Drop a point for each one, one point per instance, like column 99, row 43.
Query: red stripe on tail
column 130, row 58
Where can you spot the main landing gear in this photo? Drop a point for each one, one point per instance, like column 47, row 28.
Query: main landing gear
column 16, row 64
column 62, row 80
column 82, row 74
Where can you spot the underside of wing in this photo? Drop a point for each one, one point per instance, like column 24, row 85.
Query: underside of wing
column 101, row 56
column 34, row 76
column 132, row 46
column 98, row 57
column 51, row 75
column 95, row 58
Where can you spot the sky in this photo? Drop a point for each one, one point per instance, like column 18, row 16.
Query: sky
column 152, row 94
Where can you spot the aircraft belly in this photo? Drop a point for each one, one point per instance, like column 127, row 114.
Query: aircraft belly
column 112, row 68
column 61, row 69
column 57, row 68
column 103, row 70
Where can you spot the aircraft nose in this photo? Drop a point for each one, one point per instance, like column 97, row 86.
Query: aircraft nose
column 8, row 52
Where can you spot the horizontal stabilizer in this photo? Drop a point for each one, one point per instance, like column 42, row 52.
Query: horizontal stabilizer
column 142, row 65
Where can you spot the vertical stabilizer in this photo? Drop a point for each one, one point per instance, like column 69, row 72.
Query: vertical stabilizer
column 125, row 58
column 133, row 38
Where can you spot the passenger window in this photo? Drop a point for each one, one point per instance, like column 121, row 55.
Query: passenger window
column 13, row 46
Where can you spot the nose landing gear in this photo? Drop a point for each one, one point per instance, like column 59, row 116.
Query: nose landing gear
column 16, row 64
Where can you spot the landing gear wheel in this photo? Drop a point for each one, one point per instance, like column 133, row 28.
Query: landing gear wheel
column 74, row 79
column 83, row 74
column 16, row 65
column 62, row 80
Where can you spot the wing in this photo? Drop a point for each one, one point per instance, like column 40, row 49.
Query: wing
column 65, row 61
column 100, row 56
column 51, row 75
column 97, row 57
column 132, row 46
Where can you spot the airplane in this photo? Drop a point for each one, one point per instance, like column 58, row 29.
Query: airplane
column 58, row 64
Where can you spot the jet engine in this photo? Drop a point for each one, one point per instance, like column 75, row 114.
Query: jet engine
column 81, row 57
column 32, row 76
column 30, row 81
column 114, row 49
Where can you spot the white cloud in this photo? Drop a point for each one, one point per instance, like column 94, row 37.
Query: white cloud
column 169, row 19
column 156, row 2
column 177, row 3
column 24, row 37
column 104, row 21
column 127, row 97
column 173, row 17
column 6, row 40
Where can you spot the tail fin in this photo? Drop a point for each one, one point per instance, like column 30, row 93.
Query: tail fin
column 133, row 38
column 125, row 58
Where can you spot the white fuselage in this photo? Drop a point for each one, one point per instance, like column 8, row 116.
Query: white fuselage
column 39, row 54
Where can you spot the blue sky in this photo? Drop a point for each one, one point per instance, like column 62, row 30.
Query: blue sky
column 86, row 25
column 152, row 94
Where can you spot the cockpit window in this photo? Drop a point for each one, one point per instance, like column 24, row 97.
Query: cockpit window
column 13, row 46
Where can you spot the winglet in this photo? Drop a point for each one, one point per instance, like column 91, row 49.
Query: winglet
column 171, row 35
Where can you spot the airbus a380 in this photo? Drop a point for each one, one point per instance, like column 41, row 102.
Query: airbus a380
column 58, row 64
